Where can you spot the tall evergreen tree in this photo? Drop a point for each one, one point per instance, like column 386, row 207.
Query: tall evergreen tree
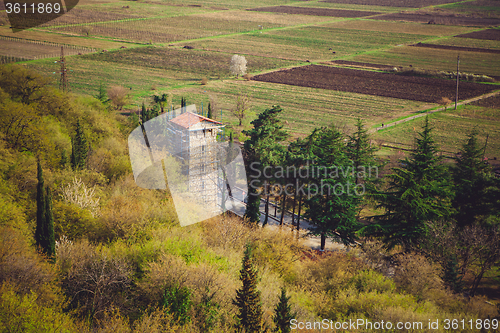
column 49, row 243
column 44, row 232
column 249, row 316
column 360, row 150
column 419, row 192
column 264, row 147
column 283, row 314
column 40, row 207
column 210, row 113
column 102, row 94
column 183, row 102
column 451, row 275
column 80, row 148
column 332, row 206
column 471, row 183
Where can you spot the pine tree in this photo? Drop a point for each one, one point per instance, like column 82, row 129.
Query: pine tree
column 247, row 300
column 451, row 276
column 40, row 207
column 264, row 147
column 419, row 192
column 359, row 149
column 471, row 181
column 102, row 94
column 49, row 244
column 283, row 314
column 80, row 148
column 332, row 210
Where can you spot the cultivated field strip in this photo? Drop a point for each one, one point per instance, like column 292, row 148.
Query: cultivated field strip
column 488, row 34
column 16, row 48
column 372, row 83
column 393, row 3
column 435, row 60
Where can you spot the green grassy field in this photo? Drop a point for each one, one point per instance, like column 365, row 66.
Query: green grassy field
column 435, row 59
column 219, row 29
column 450, row 129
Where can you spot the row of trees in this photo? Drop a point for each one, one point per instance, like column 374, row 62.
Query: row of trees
column 327, row 173
column 422, row 201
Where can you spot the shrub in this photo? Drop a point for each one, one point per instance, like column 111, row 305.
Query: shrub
column 204, row 80
column 21, row 312
column 248, row 77
column 118, row 96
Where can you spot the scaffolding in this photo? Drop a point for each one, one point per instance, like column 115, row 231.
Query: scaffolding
column 194, row 142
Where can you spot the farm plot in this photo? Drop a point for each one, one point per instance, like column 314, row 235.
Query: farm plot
column 373, row 83
column 164, row 30
column 456, row 48
column 461, row 121
column 35, row 50
column 399, row 27
column 304, row 108
column 307, row 43
column 315, row 11
column 202, row 63
column 468, row 42
column 393, row 3
column 439, row 19
column 484, row 8
column 488, row 34
column 490, row 102
column 435, row 60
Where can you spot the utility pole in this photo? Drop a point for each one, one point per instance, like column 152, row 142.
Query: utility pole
column 456, row 95
column 63, row 82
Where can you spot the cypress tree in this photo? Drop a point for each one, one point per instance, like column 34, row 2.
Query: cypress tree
column 183, row 102
column 210, row 112
column 40, row 207
column 49, row 243
column 283, row 314
column 79, row 149
column 247, row 300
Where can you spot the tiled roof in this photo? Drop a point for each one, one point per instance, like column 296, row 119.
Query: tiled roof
column 189, row 119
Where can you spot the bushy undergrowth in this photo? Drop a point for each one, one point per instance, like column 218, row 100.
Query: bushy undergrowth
column 126, row 266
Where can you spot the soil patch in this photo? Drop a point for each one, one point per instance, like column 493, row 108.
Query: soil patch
column 439, row 19
column 314, row 11
column 489, row 34
column 393, row 3
column 457, row 48
column 362, row 64
column 490, row 102
column 422, row 89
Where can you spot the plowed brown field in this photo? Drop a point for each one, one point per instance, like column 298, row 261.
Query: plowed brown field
column 373, row 83
column 456, row 48
column 314, row 11
column 439, row 19
column 393, row 3
column 489, row 34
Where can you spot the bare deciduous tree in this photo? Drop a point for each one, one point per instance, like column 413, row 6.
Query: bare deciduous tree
column 79, row 194
column 118, row 96
column 242, row 105
column 238, row 65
